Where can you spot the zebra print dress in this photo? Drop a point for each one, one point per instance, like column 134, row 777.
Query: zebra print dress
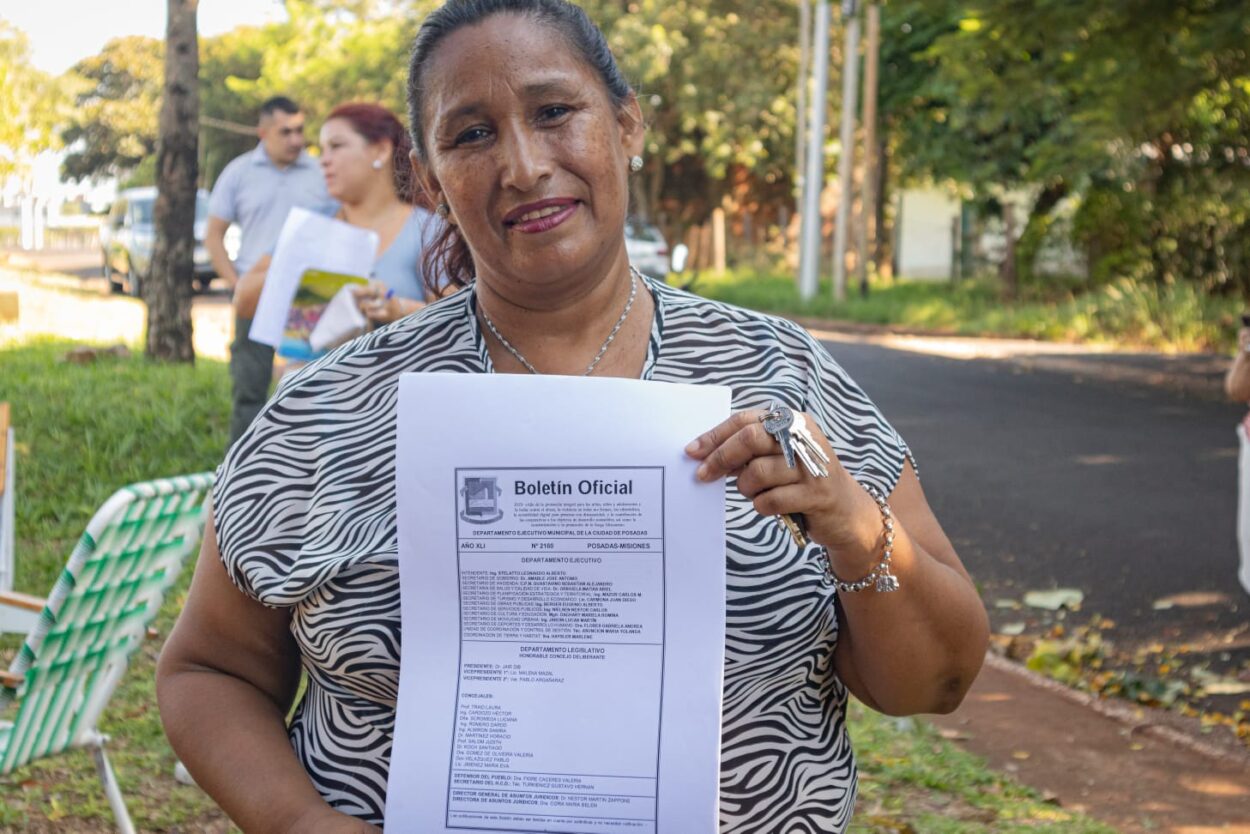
column 306, row 519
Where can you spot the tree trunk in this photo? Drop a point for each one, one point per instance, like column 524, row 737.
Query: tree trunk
column 167, row 290
column 1007, row 270
column 1037, row 227
column 883, row 247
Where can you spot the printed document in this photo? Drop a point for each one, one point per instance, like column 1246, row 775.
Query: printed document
column 307, row 241
column 562, row 578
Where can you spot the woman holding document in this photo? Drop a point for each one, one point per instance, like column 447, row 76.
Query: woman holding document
column 364, row 158
column 525, row 134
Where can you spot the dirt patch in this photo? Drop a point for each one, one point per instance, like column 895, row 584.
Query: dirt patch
column 1131, row 775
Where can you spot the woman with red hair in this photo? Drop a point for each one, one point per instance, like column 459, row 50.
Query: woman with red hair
column 364, row 158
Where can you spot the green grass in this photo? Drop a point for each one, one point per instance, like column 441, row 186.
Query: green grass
column 84, row 430
column 912, row 780
column 1176, row 318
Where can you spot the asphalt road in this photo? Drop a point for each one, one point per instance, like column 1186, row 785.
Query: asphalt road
column 1048, row 479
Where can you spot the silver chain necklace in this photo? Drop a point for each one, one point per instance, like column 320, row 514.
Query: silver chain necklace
column 633, row 291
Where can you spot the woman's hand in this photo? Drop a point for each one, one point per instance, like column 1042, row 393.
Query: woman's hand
column 247, row 290
column 1237, row 380
column 915, row 649
column 380, row 305
column 839, row 513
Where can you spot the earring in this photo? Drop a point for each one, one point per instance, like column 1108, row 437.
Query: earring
column 443, row 210
column 377, row 165
column 635, row 164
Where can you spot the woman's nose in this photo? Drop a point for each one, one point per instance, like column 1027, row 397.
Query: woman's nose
column 526, row 161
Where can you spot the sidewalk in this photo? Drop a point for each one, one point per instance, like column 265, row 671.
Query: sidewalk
column 1198, row 374
column 1131, row 769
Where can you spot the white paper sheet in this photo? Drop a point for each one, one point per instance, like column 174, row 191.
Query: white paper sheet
column 563, row 600
column 308, row 241
column 340, row 321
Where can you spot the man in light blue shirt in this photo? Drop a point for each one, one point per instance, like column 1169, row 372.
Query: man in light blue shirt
column 256, row 190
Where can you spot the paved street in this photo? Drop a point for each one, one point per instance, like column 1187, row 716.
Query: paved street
column 1124, row 490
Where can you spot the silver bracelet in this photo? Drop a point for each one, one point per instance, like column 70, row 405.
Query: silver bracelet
column 879, row 577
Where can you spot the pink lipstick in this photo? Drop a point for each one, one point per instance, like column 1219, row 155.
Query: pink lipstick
column 540, row 216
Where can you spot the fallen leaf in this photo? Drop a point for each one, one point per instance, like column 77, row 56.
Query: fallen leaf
column 953, row 735
column 1226, row 686
column 1191, row 599
column 1020, row 754
column 1054, row 600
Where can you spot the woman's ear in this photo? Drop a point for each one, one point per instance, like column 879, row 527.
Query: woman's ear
column 633, row 129
column 384, row 149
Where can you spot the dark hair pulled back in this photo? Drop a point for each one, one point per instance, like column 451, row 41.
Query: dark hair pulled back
column 449, row 255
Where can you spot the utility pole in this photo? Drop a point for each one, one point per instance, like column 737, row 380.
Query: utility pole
column 800, row 110
column 813, row 179
column 868, row 204
column 850, row 85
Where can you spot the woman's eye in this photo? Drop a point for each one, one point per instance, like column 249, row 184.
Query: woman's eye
column 554, row 112
column 473, row 134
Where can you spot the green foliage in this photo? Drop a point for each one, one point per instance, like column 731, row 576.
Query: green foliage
column 1125, row 313
column 328, row 54
column 717, row 83
column 31, row 102
column 1131, row 119
column 142, row 174
column 1140, row 108
column 85, row 430
column 229, row 63
column 716, row 80
column 113, row 124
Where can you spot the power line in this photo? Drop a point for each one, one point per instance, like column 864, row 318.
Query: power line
column 229, row 127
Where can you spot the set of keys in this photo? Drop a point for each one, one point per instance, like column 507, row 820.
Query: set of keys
column 789, row 427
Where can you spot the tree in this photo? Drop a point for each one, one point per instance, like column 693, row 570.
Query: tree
column 112, row 127
column 167, row 291
column 716, row 81
column 30, row 104
column 1139, row 110
column 230, row 65
column 331, row 52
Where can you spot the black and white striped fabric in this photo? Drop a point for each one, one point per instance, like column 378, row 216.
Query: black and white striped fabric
column 306, row 518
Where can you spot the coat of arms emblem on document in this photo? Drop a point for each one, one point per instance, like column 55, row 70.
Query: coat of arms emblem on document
column 481, row 500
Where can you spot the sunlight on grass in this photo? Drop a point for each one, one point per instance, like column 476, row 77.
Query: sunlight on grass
column 1173, row 318
column 82, row 431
